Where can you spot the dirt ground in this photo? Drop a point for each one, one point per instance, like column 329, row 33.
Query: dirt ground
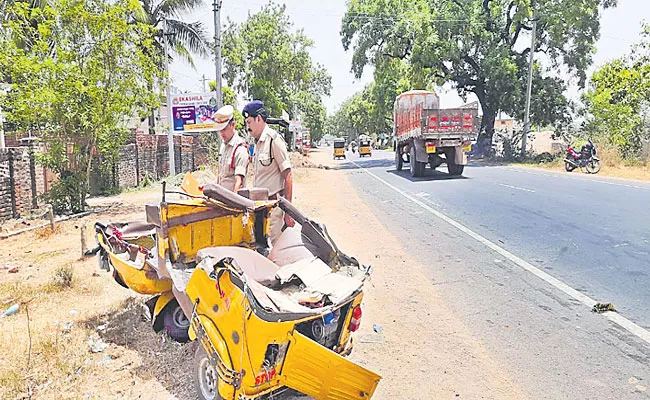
column 423, row 351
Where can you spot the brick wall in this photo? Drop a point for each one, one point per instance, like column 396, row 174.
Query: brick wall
column 21, row 182
column 147, row 155
column 143, row 155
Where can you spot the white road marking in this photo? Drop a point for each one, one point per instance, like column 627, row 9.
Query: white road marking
column 597, row 180
column 584, row 299
column 516, row 187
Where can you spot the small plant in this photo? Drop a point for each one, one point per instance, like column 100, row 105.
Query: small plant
column 63, row 276
column 146, row 181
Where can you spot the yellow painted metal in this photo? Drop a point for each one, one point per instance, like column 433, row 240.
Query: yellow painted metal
column 161, row 302
column 207, row 230
column 339, row 152
column 241, row 339
column 142, row 280
column 363, row 150
column 431, row 148
column 467, row 148
column 321, row 373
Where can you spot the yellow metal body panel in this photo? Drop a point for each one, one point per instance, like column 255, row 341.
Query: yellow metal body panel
column 161, row 302
column 430, row 147
column 318, row 372
column 339, row 152
column 192, row 225
column 241, row 339
column 363, row 150
column 143, row 281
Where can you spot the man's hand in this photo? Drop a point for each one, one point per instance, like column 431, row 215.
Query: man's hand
column 288, row 221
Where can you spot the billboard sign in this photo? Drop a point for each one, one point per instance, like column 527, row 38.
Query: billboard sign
column 194, row 112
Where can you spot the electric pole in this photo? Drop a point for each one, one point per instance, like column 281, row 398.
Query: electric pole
column 170, row 133
column 203, row 81
column 529, row 89
column 216, row 8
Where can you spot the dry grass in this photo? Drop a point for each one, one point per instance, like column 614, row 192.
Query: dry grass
column 69, row 300
column 63, row 276
column 613, row 165
column 46, row 232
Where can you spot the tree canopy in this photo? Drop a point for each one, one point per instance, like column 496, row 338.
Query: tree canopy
column 618, row 100
column 85, row 71
column 479, row 46
column 265, row 59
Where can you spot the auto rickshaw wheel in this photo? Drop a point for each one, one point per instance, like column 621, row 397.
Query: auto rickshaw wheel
column 175, row 322
column 206, row 378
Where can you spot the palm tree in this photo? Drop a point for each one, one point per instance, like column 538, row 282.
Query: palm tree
column 183, row 38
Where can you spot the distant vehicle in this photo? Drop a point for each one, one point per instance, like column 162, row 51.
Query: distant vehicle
column 585, row 159
column 339, row 148
column 364, row 146
column 423, row 133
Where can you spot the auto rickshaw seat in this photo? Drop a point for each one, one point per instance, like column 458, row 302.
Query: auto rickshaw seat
column 290, row 248
column 220, row 193
column 138, row 229
column 254, row 265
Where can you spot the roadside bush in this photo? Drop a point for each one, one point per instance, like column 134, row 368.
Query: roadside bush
column 63, row 277
column 65, row 195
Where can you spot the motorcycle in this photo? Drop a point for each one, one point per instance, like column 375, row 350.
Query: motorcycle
column 586, row 158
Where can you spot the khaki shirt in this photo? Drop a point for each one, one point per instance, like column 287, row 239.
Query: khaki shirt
column 229, row 167
column 270, row 160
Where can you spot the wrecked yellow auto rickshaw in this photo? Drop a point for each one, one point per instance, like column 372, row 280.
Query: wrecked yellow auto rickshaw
column 126, row 250
column 266, row 321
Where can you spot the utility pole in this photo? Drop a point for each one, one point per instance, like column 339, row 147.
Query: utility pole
column 203, row 81
column 216, row 8
column 529, row 88
column 170, row 133
column 2, row 132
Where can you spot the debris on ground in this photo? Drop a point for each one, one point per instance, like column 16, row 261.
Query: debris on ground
column 10, row 311
column 300, row 161
column 67, row 327
column 372, row 338
column 13, row 270
column 377, row 328
column 96, row 344
column 603, row 307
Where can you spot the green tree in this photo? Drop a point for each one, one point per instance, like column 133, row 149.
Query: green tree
column 229, row 97
column 618, row 100
column 265, row 59
column 183, row 38
column 479, row 47
column 86, row 72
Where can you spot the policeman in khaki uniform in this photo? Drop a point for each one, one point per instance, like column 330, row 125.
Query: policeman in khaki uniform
column 271, row 163
column 233, row 154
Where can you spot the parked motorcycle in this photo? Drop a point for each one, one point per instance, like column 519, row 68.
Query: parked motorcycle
column 586, row 158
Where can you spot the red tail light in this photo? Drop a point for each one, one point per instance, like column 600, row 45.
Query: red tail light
column 355, row 322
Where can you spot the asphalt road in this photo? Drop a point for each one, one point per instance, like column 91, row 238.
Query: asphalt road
column 590, row 233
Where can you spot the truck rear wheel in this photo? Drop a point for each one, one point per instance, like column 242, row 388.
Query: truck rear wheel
column 416, row 167
column 453, row 168
column 399, row 161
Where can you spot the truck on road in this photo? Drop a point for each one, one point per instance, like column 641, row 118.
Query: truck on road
column 426, row 134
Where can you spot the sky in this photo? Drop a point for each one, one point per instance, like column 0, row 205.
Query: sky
column 321, row 21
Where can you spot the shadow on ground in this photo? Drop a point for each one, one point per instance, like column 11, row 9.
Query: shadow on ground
column 169, row 362
column 163, row 359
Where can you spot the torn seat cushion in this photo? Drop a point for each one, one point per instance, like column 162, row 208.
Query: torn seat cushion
column 254, row 265
column 291, row 247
